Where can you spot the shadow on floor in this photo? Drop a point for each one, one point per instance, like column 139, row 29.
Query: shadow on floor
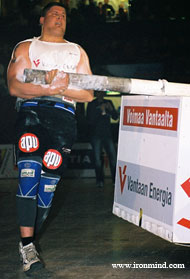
column 82, row 239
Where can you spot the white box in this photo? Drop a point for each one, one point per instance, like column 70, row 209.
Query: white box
column 152, row 187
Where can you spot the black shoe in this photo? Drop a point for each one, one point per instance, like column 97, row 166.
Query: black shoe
column 100, row 184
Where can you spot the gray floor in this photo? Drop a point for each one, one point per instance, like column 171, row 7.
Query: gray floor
column 82, row 238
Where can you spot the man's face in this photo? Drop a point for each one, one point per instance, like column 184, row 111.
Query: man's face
column 54, row 21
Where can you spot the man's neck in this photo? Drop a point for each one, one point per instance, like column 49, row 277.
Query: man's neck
column 52, row 39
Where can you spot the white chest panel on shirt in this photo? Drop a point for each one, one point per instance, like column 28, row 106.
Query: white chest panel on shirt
column 47, row 56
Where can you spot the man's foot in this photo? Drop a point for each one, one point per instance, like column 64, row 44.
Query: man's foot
column 29, row 257
column 100, row 184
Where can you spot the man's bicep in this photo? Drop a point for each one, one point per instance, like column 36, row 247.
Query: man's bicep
column 19, row 61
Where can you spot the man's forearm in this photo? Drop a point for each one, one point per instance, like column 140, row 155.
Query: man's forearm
column 79, row 95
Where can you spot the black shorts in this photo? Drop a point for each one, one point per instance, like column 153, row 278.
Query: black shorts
column 47, row 130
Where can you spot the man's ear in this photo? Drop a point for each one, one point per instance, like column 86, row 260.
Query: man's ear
column 41, row 20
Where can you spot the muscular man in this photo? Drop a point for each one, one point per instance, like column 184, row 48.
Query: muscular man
column 46, row 126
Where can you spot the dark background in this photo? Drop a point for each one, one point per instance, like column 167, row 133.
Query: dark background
column 150, row 32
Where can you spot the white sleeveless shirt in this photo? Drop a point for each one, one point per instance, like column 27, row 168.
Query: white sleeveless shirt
column 48, row 56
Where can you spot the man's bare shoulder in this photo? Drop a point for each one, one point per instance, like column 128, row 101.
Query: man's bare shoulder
column 20, row 50
column 23, row 46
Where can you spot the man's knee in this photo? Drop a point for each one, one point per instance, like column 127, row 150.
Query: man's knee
column 29, row 176
column 47, row 187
